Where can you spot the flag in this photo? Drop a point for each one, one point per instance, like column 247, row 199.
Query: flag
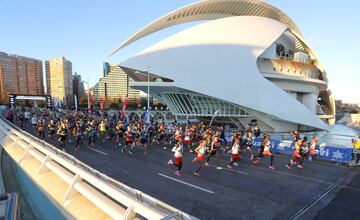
column 124, row 106
column 147, row 116
column 91, row 105
column 102, row 105
column 75, row 100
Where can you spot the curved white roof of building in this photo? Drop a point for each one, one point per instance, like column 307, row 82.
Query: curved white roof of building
column 211, row 10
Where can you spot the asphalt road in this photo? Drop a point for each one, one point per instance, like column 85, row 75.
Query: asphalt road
column 321, row 190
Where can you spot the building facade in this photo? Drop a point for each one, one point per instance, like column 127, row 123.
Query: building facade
column 114, row 85
column 78, row 86
column 20, row 75
column 231, row 67
column 59, row 80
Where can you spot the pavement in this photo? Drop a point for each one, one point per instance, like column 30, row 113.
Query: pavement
column 321, row 190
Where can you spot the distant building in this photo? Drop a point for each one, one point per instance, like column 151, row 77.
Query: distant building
column 78, row 86
column 342, row 107
column 114, row 85
column 20, row 75
column 59, row 80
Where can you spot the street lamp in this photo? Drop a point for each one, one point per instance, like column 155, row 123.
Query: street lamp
column 148, row 90
column 212, row 118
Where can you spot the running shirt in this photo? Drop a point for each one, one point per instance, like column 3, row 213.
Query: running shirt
column 128, row 136
column 51, row 128
column 102, row 127
column 34, row 120
column 235, row 148
column 202, row 149
column 178, row 150
column 41, row 125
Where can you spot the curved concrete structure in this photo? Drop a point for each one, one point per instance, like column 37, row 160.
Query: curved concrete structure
column 247, row 62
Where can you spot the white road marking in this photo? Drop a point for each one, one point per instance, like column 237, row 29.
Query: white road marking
column 231, row 170
column 185, row 183
column 100, row 152
column 316, row 200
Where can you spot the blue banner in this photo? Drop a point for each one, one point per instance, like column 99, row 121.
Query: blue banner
column 330, row 153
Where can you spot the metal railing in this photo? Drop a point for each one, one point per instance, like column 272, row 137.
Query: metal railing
column 108, row 194
column 12, row 211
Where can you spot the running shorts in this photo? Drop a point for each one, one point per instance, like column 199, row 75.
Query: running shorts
column 267, row 153
column 187, row 142
column 201, row 157
column 235, row 156
column 178, row 160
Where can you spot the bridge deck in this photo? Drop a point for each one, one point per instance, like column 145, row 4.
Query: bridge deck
column 245, row 192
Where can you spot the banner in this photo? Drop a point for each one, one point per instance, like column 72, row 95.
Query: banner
column 147, row 116
column 330, row 153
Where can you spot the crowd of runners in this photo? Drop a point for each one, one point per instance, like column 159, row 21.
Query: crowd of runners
column 127, row 132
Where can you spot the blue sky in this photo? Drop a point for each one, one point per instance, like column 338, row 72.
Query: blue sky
column 85, row 32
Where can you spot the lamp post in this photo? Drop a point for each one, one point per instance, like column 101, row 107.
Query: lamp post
column 148, row 90
column 212, row 118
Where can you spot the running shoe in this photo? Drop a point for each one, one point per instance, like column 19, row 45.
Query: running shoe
column 177, row 173
column 256, row 161
column 287, row 166
column 292, row 162
column 164, row 148
column 252, row 157
column 170, row 162
column 272, row 167
column 236, row 164
column 299, row 166
column 131, row 153
column 191, row 151
column 206, row 164
column 197, row 174
column 228, row 166
column 122, row 151
column 219, row 168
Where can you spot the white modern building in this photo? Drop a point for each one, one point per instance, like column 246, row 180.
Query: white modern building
column 245, row 61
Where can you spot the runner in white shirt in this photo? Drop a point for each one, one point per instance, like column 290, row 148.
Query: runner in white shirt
column 201, row 151
column 235, row 153
column 178, row 149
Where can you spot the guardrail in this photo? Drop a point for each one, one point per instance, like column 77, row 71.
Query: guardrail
column 108, row 194
column 12, row 211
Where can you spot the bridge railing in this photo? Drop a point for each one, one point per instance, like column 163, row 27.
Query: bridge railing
column 106, row 193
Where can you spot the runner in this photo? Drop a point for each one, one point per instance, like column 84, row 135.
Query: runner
column 200, row 150
column 128, row 140
column 312, row 151
column 62, row 133
column 78, row 133
column 215, row 144
column 296, row 156
column 235, row 153
column 51, row 130
column 265, row 150
column 178, row 149
column 41, row 128
column 34, row 120
column 119, row 132
column 144, row 138
column 91, row 132
column 111, row 132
